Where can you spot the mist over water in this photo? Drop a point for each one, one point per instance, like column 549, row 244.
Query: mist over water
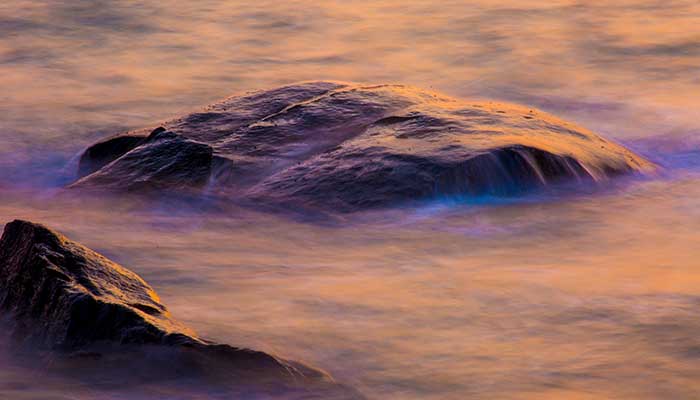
column 581, row 297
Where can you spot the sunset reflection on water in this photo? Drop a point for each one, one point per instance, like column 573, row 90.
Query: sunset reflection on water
column 584, row 297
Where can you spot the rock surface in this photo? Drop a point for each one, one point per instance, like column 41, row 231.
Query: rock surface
column 106, row 151
column 161, row 161
column 64, row 297
column 348, row 146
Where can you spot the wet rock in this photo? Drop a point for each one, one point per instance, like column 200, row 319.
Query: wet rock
column 95, row 315
column 102, row 153
column 347, row 146
column 163, row 161
column 66, row 295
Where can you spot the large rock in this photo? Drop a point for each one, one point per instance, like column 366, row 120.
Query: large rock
column 63, row 297
column 351, row 146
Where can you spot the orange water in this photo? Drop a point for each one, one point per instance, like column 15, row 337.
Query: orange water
column 587, row 297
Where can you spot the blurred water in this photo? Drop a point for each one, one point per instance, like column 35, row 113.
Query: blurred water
column 593, row 296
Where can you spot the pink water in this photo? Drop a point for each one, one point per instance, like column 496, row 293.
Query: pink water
column 593, row 296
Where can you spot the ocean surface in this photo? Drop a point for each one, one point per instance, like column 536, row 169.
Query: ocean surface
column 587, row 296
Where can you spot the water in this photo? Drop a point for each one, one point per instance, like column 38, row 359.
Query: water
column 586, row 297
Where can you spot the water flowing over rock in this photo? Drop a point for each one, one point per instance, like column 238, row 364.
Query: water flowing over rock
column 63, row 297
column 347, row 147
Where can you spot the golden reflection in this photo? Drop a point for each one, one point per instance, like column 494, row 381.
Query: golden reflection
column 592, row 297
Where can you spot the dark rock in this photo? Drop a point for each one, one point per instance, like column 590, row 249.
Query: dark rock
column 155, row 132
column 64, row 297
column 346, row 180
column 349, row 146
column 102, row 153
column 67, row 296
column 163, row 161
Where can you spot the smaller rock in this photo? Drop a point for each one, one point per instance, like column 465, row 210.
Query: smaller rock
column 64, row 295
column 155, row 132
column 97, row 316
column 102, row 153
column 163, row 161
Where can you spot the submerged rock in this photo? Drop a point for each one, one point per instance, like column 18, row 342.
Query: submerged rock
column 64, row 297
column 348, row 146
